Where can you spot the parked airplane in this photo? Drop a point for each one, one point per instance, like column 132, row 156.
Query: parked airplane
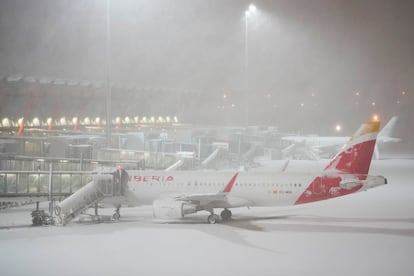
column 312, row 147
column 174, row 194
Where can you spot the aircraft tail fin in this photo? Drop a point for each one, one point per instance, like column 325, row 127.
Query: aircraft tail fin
column 387, row 132
column 355, row 157
column 230, row 184
column 388, row 129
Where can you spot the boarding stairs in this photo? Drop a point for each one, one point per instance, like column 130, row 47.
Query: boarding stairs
column 102, row 186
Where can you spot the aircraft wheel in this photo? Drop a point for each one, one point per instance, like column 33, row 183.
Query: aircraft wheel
column 212, row 219
column 226, row 214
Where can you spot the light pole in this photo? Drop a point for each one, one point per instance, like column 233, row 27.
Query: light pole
column 248, row 14
column 108, row 91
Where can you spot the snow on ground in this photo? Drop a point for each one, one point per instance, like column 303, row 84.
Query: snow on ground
column 370, row 233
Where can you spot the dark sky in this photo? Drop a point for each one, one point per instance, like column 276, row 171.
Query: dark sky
column 297, row 48
column 200, row 44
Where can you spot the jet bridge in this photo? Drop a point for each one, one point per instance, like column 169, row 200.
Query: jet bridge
column 211, row 157
column 249, row 154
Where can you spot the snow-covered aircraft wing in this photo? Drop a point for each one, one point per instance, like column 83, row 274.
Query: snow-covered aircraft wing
column 222, row 199
column 176, row 206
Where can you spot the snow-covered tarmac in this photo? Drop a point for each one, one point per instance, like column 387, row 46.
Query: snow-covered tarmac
column 369, row 233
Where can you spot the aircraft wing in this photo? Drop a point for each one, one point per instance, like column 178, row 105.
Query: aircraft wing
column 206, row 201
column 301, row 149
column 176, row 206
column 222, row 199
column 327, row 150
column 211, row 201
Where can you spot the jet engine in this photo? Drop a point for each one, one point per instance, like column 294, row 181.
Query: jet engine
column 171, row 208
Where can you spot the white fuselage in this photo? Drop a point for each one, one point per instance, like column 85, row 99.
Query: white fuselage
column 318, row 141
column 260, row 189
column 257, row 189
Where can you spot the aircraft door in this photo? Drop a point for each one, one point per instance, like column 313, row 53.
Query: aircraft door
column 120, row 182
column 124, row 181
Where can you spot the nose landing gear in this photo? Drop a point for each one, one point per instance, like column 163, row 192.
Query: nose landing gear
column 212, row 219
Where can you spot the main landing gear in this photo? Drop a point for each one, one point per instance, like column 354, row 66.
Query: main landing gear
column 225, row 215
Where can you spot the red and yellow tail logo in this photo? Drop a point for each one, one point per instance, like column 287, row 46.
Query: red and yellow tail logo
column 352, row 161
column 356, row 156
